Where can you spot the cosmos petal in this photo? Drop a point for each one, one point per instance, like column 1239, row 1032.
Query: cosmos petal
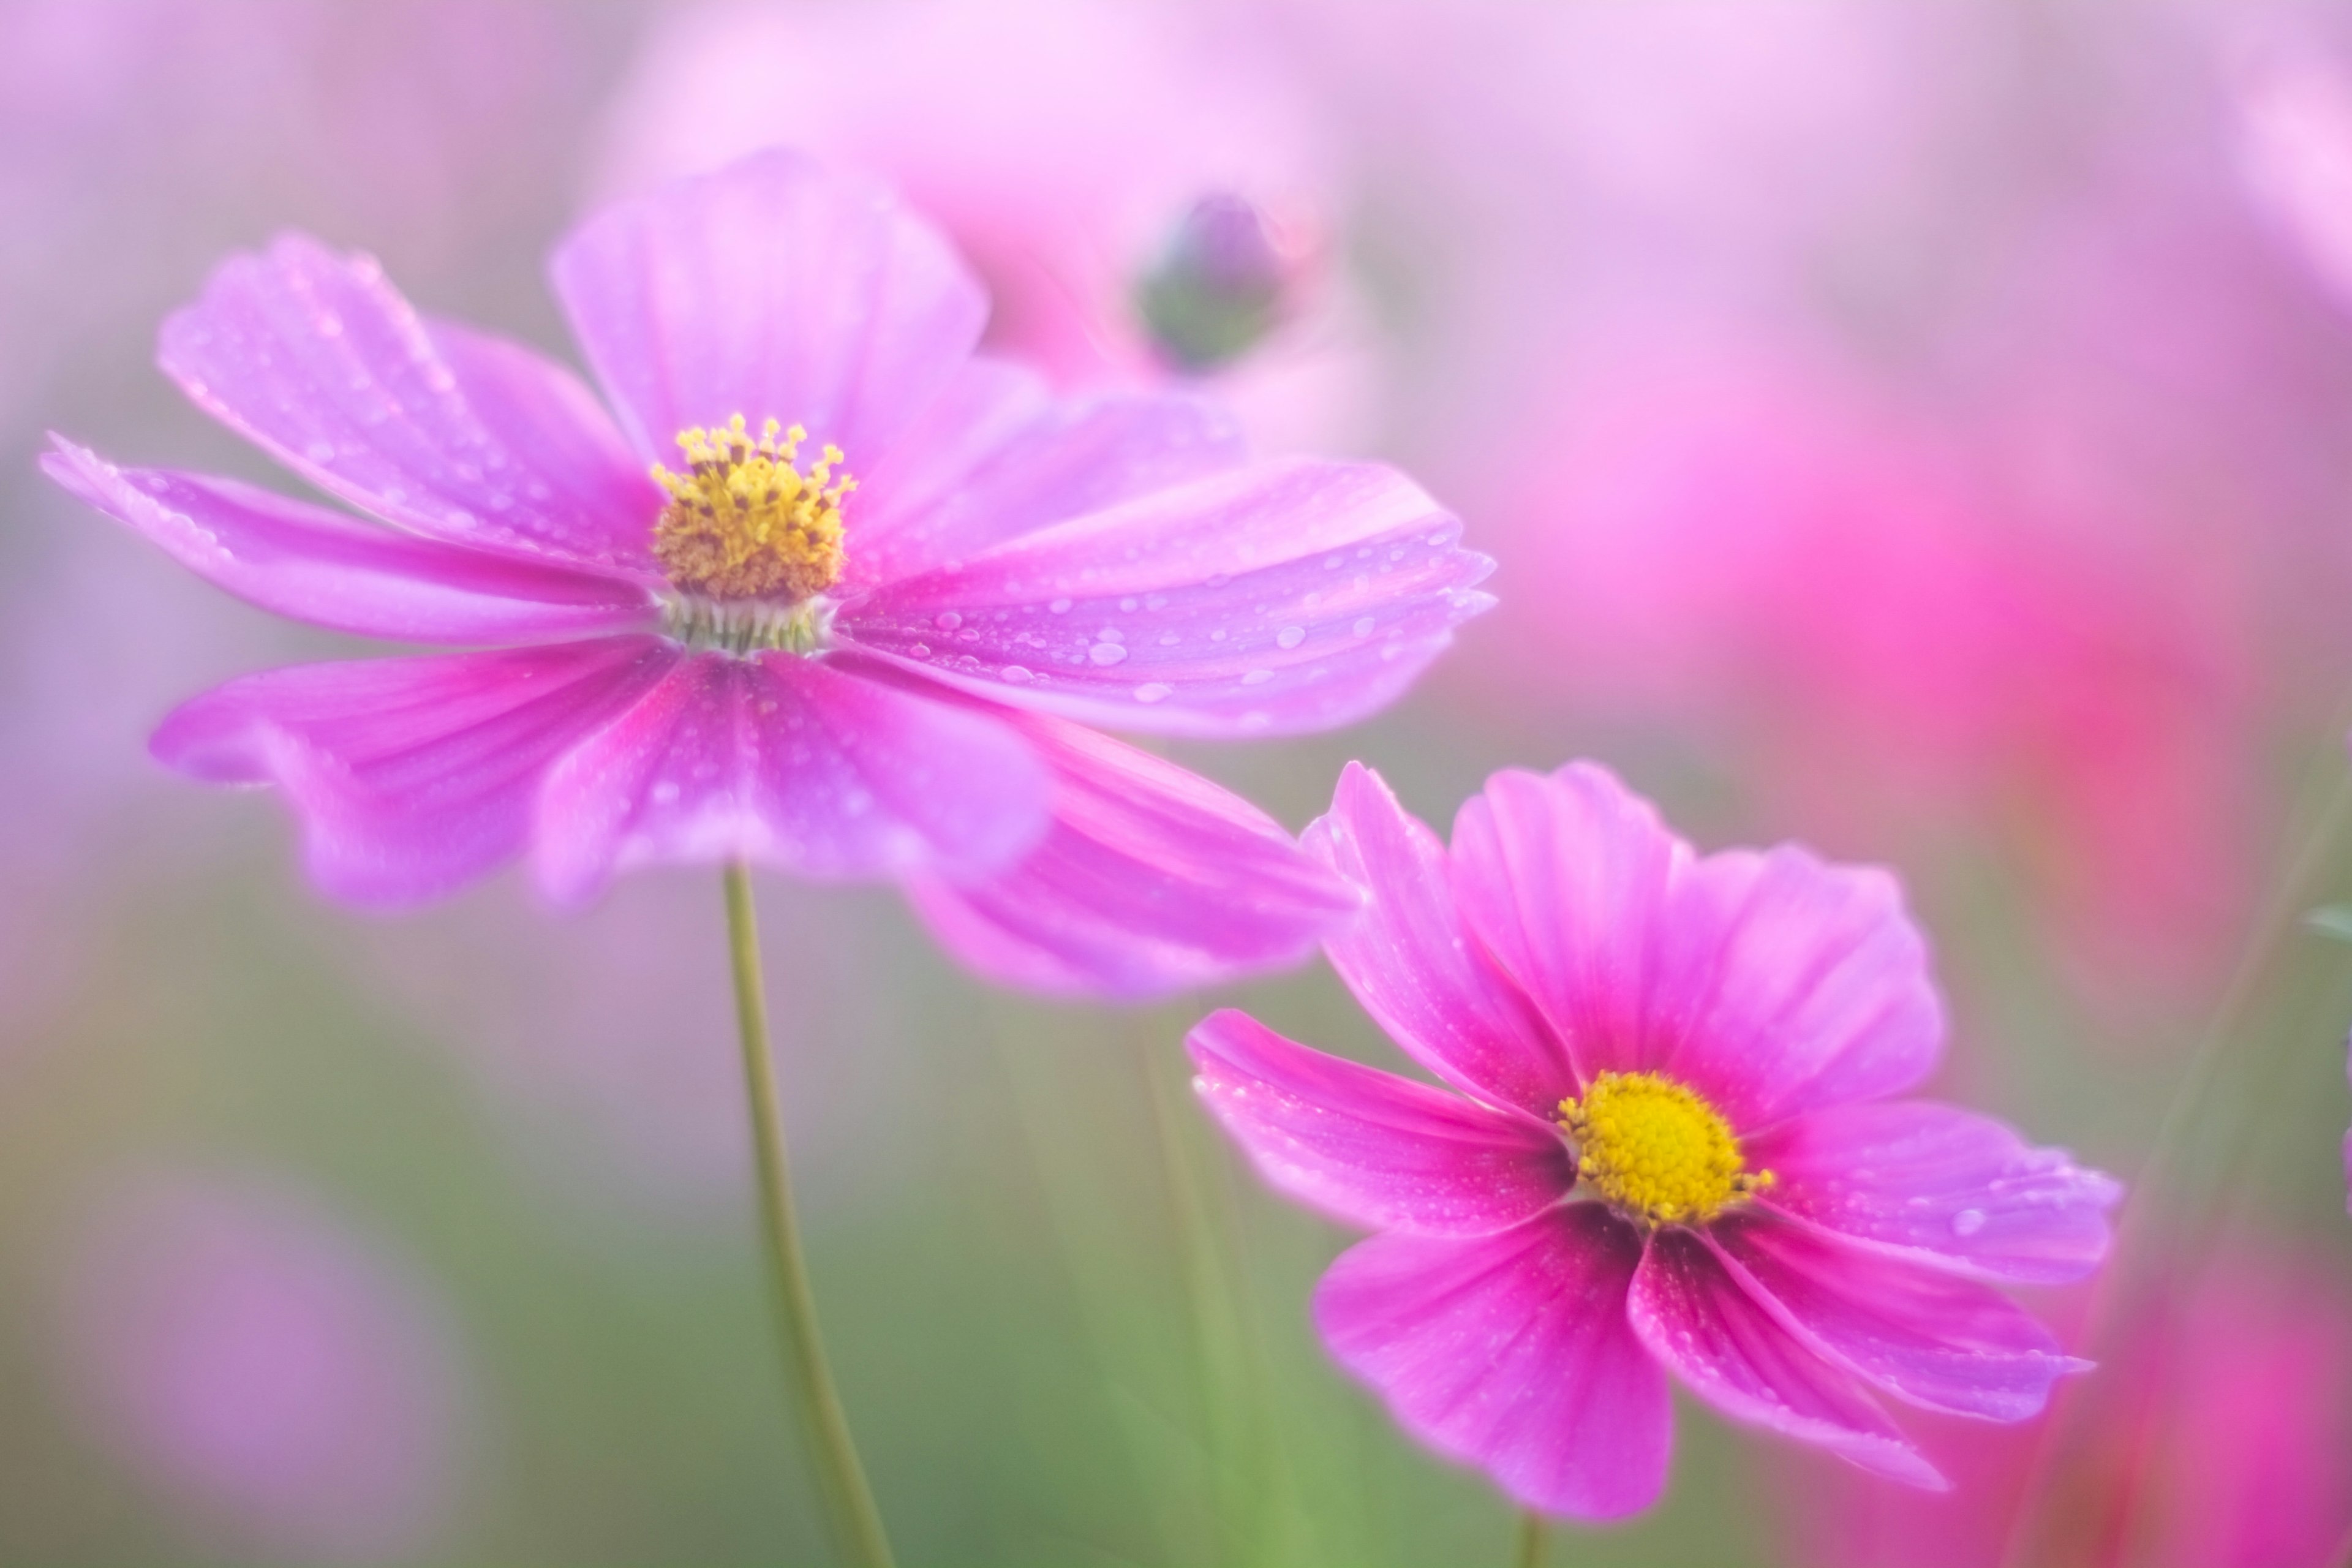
column 775, row 289
column 332, row 570
column 412, row 776
column 1415, row 967
column 1513, row 1352
column 785, row 762
column 1149, row 880
column 318, row 359
column 1939, row 1185
column 1738, row 1356
column 1279, row 598
column 1369, row 1148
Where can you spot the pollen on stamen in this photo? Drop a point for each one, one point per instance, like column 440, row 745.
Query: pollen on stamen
column 1656, row 1150
column 744, row 522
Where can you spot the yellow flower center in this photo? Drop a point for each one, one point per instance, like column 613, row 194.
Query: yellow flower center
column 744, row 523
column 1657, row 1151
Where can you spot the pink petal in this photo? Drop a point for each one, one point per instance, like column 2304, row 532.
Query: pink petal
column 1921, row 1335
column 994, row 459
column 1568, row 881
column 1771, row 983
column 792, row 764
column 1282, row 597
column 775, row 289
column 1741, row 1359
column 332, row 570
column 1414, row 966
column 316, row 359
column 1369, row 1148
column 1803, row 986
column 412, row 776
column 1512, row 1352
column 1151, row 879
column 1939, row 1185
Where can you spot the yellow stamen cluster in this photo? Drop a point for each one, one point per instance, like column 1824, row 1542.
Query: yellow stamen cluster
column 1657, row 1151
column 744, row 523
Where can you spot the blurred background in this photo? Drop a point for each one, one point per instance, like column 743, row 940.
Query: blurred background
column 1924, row 429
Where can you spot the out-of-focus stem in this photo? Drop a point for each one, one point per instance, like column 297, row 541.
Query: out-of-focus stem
column 856, row 1522
column 1527, row 1548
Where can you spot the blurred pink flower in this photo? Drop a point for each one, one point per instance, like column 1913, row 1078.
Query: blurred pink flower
column 2223, row 1443
column 743, row 660
column 1145, row 189
column 1883, row 639
column 1673, row 1148
column 288, row 1387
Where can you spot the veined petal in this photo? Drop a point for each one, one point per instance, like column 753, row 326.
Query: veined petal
column 995, row 458
column 1939, row 1185
column 412, row 776
column 775, row 289
column 1513, row 1352
column 1149, row 880
column 788, row 762
column 332, row 570
column 1413, row 965
column 1741, row 1359
column 1282, row 597
column 1923, row 1336
column 1769, row 982
column 318, row 359
column 1369, row 1148
column 1567, row 879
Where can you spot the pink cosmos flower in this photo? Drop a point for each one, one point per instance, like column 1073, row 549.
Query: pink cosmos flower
column 1675, row 1149
column 715, row 642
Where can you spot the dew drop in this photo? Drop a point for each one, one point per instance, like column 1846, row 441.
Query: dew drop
column 1152, row 691
column 1968, row 1221
column 1060, row 607
column 1363, row 627
column 947, row 620
column 1257, row 678
column 1107, row 653
column 1017, row 675
column 920, row 650
column 1290, row 637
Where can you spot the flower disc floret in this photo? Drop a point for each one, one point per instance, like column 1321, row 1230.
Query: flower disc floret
column 1656, row 1150
column 744, row 523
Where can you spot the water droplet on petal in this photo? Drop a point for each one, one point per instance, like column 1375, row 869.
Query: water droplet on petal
column 1257, row 678
column 948, row 620
column 1060, row 607
column 1290, row 637
column 1107, row 653
column 1016, row 675
column 1363, row 627
column 1968, row 1221
column 920, row 650
column 1152, row 691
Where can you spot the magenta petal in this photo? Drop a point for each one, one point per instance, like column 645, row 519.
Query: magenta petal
column 1568, row 881
column 1940, row 1185
column 1796, row 985
column 412, row 776
column 973, row 477
column 332, row 570
column 1370, row 1148
column 774, row 288
column 1512, row 1352
column 1923, row 1336
column 1769, row 982
column 1282, row 597
column 1410, row 962
column 792, row 763
column 1151, row 879
column 1735, row 1356
column 318, row 359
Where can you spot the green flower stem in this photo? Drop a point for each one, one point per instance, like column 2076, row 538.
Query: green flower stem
column 856, row 1523
column 1527, row 1548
